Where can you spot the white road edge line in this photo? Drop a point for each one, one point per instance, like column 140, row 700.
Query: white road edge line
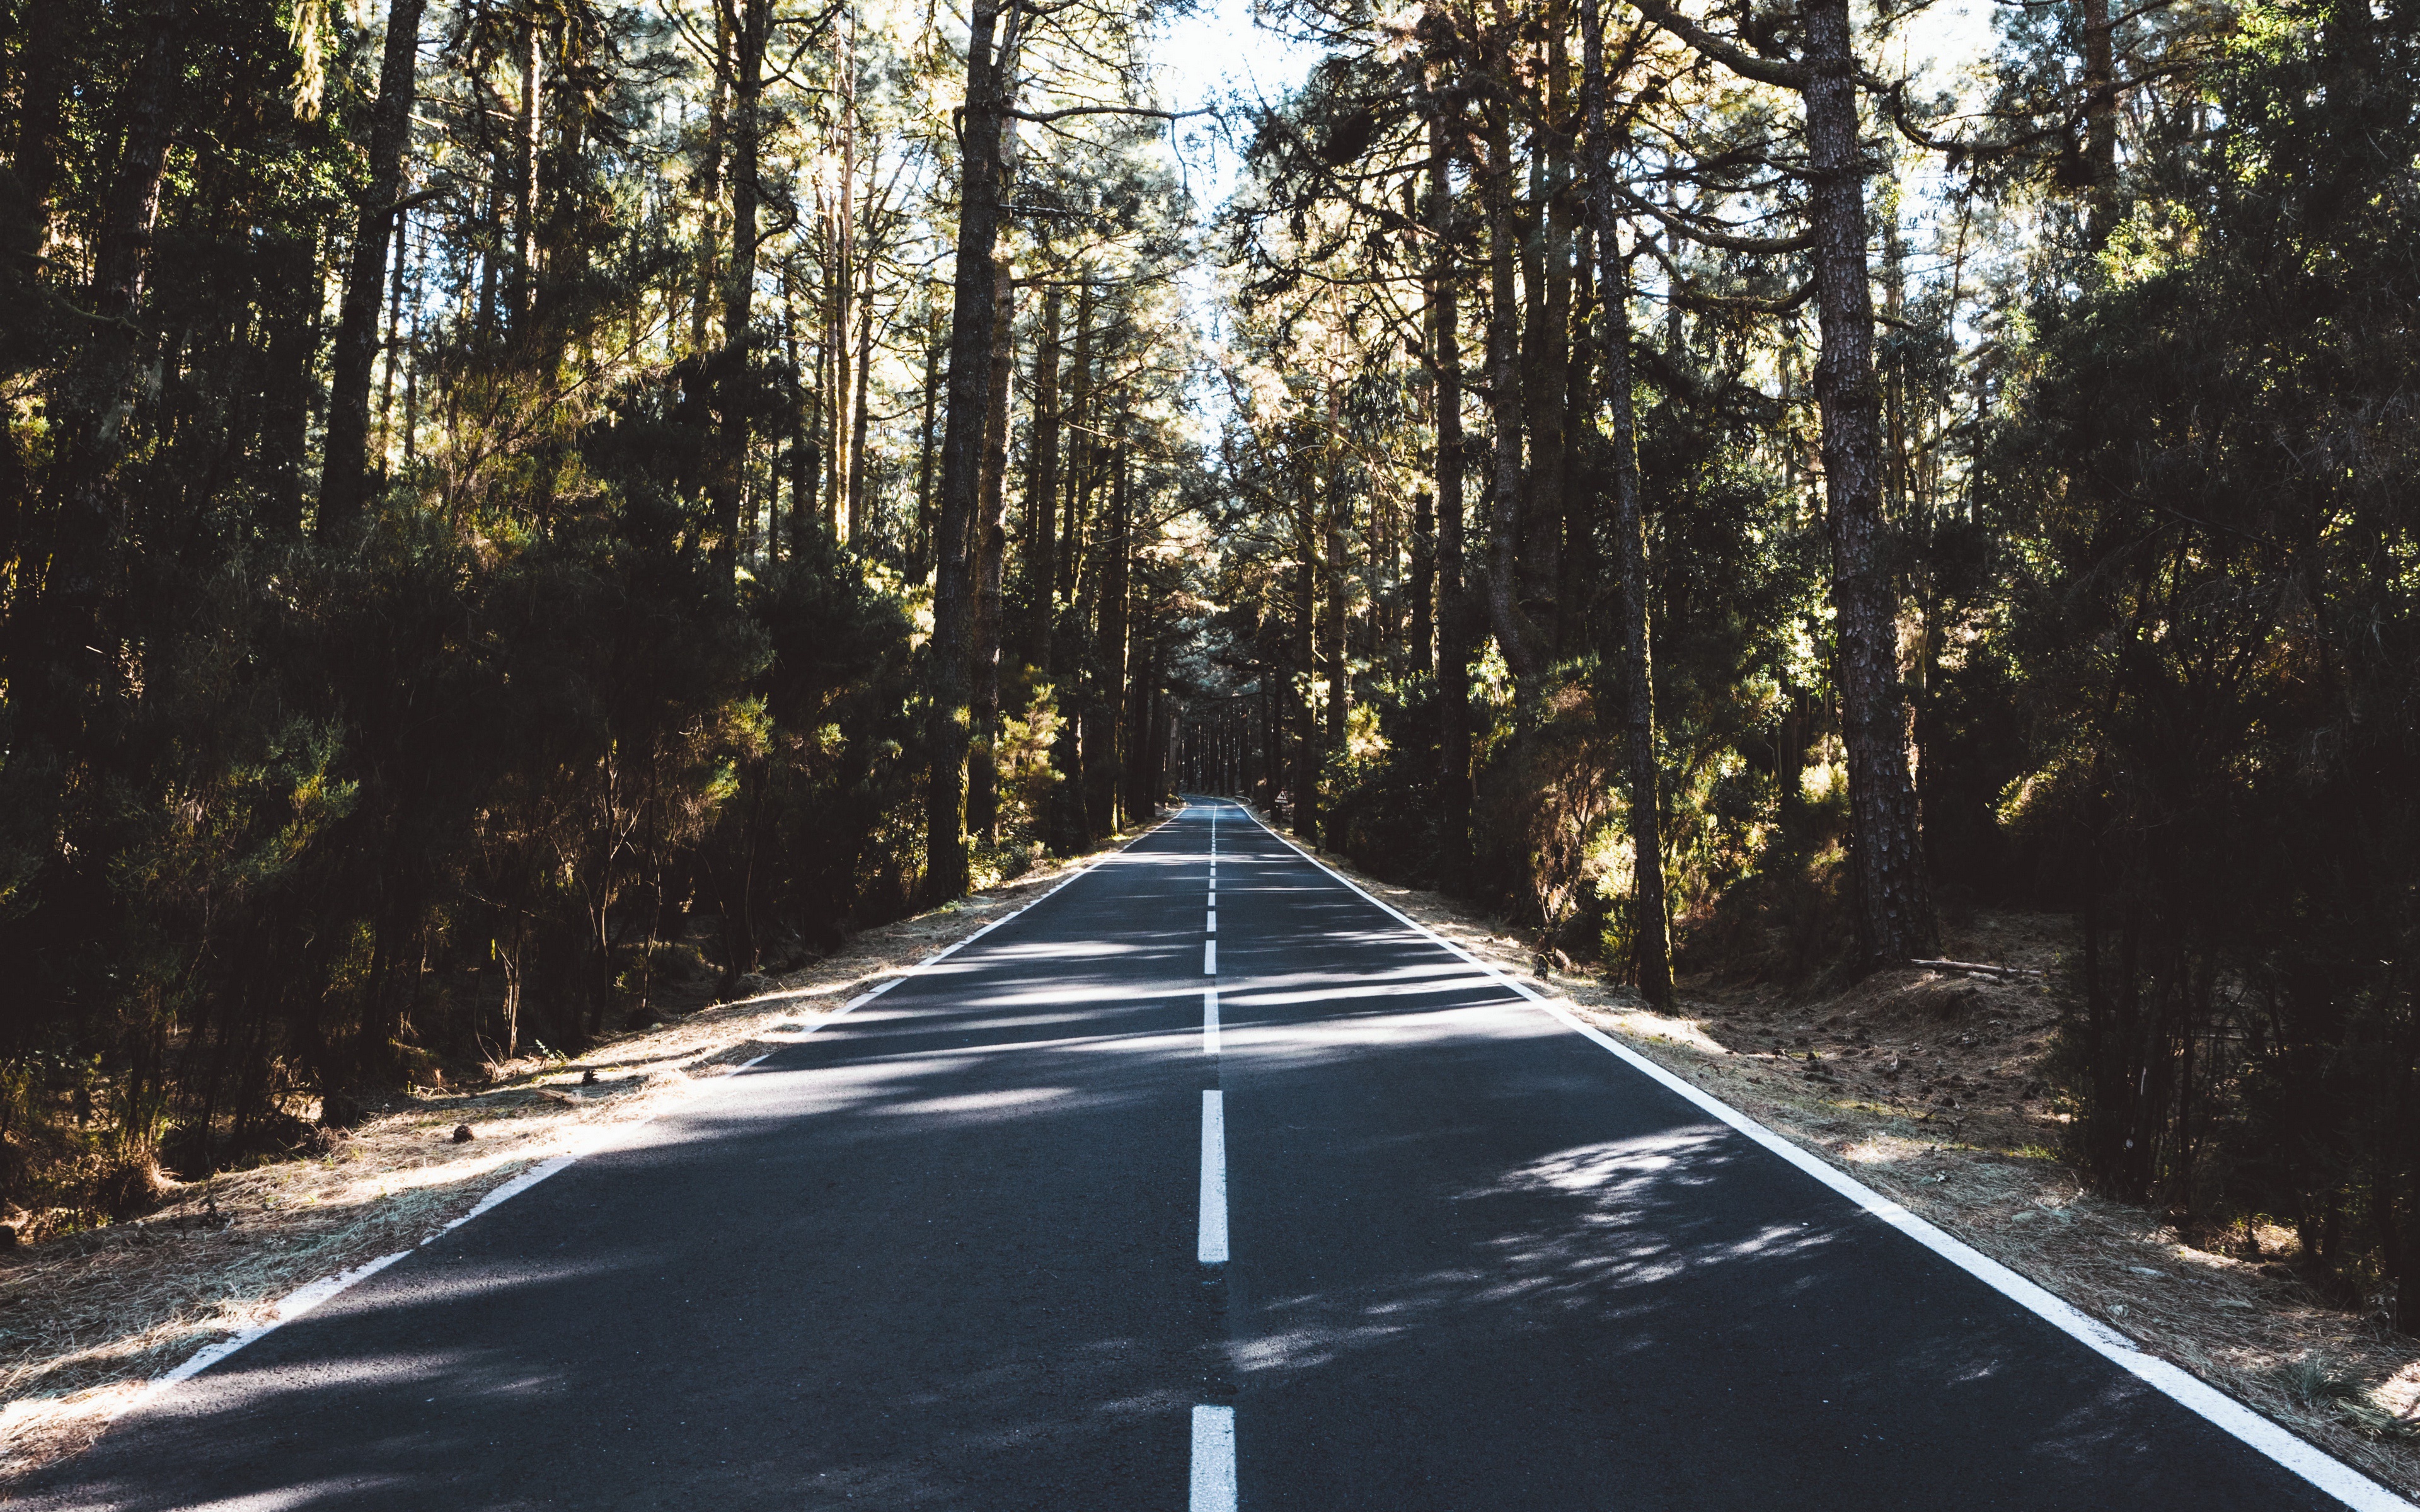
column 1213, row 1459
column 303, row 1299
column 1212, row 1247
column 2322, row 1470
column 1209, row 1021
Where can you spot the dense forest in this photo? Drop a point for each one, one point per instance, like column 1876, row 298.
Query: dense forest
column 509, row 502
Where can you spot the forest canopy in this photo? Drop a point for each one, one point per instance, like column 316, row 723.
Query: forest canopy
column 511, row 504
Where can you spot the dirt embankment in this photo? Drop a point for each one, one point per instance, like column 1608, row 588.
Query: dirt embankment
column 1928, row 1085
column 88, row 1319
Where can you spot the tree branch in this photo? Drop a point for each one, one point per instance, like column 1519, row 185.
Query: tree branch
column 1718, row 239
column 1044, row 117
column 1747, row 65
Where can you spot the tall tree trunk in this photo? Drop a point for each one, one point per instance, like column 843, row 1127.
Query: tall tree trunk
column 25, row 222
column 294, row 331
column 95, row 404
column 991, row 546
column 1676, row 329
column 710, row 182
column 1333, row 649
column 411, row 384
column 1271, row 764
column 392, row 345
column 1549, row 339
column 795, row 413
column 1079, row 448
column 860, row 402
column 806, row 473
column 1454, row 613
column 344, row 482
column 520, row 275
column 1067, row 649
column 2100, row 124
column 1107, row 753
column 745, row 125
column 919, row 551
column 1305, row 628
column 848, row 388
column 1895, row 919
column 1514, row 634
column 1042, row 486
column 491, row 225
column 1652, row 949
column 1422, row 634
column 832, row 358
column 1143, row 742
column 988, row 45
column 34, row 159
column 1578, row 588
column 558, row 189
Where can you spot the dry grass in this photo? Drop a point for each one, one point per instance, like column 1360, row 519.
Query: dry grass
column 1925, row 1087
column 87, row 1319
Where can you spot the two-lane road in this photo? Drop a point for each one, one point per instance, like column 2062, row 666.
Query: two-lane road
column 1203, row 1181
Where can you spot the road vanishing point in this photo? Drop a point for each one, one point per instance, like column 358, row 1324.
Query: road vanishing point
column 1205, row 1183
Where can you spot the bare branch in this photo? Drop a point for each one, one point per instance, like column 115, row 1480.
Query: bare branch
column 1746, row 64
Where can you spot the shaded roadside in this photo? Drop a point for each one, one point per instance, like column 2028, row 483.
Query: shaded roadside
column 87, row 1320
column 1927, row 1085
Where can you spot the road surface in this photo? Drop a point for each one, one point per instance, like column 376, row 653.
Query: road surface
column 1205, row 1183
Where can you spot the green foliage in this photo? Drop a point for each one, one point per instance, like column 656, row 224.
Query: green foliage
column 2217, row 623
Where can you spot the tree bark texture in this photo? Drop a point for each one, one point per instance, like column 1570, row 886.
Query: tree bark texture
column 2099, row 123
column 745, row 127
column 34, row 161
column 920, row 549
column 1453, row 614
column 1144, row 749
column 991, row 549
column 1306, row 612
column 1105, row 745
column 1547, row 290
column 1513, row 633
column 962, row 440
column 1080, row 443
column 344, row 482
column 1334, row 653
column 1651, row 946
column 1894, row 906
column 1042, row 487
column 522, row 275
column 709, row 184
column 1423, row 635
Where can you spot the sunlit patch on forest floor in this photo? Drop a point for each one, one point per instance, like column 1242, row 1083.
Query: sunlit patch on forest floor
column 1929, row 1086
column 86, row 1319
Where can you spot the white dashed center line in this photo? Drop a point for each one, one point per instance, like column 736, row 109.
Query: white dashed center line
column 1214, row 1427
column 1212, row 1249
column 1213, row 1459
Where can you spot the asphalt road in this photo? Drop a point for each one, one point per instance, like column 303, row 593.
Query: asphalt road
column 962, row 1249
